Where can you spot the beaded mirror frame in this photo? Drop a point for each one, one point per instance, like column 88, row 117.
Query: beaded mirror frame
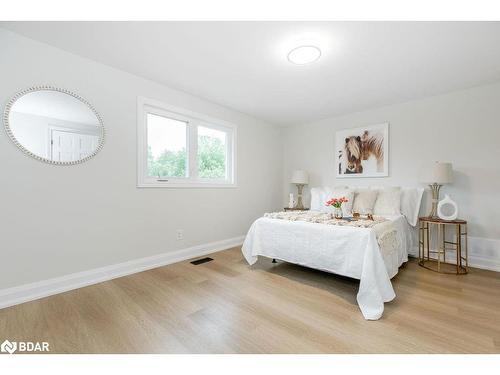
column 32, row 89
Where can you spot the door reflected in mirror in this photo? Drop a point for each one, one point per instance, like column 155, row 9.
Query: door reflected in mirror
column 54, row 125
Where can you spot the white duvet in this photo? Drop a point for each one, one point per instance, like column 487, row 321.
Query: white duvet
column 344, row 250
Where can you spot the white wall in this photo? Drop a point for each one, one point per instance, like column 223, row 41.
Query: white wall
column 461, row 127
column 60, row 220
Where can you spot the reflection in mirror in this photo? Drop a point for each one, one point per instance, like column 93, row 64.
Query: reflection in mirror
column 54, row 125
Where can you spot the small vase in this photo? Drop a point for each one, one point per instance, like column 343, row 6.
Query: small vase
column 337, row 213
column 447, row 201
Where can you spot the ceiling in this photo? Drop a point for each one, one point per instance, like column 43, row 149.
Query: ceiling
column 244, row 66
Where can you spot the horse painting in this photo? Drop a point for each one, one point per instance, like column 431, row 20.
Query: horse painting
column 354, row 154
column 363, row 151
column 373, row 145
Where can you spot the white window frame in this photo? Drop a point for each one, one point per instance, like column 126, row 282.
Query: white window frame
column 193, row 120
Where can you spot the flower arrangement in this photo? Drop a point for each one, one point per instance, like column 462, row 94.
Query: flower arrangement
column 337, row 204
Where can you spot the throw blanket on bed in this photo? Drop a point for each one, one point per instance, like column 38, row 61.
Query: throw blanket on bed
column 384, row 229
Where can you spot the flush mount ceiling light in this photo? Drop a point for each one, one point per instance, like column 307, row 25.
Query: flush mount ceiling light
column 304, row 55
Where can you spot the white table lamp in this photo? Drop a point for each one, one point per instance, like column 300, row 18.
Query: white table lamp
column 300, row 178
column 436, row 174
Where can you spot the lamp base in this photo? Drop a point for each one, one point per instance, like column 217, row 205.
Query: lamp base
column 299, row 205
column 435, row 199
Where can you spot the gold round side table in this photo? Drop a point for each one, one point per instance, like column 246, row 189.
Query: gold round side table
column 442, row 242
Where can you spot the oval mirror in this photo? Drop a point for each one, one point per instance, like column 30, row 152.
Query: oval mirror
column 54, row 125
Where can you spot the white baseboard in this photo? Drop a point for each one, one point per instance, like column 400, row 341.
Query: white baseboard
column 484, row 253
column 29, row 292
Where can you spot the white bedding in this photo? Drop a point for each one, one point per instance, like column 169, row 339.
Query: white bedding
column 343, row 250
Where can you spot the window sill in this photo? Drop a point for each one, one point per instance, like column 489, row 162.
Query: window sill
column 191, row 185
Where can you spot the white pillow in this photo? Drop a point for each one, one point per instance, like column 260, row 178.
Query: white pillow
column 411, row 198
column 316, row 196
column 338, row 193
column 364, row 201
column 388, row 201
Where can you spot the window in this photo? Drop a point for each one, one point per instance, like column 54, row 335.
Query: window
column 180, row 148
column 212, row 153
column 167, row 152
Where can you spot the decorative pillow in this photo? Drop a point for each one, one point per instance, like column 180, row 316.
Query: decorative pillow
column 388, row 201
column 364, row 201
column 316, row 197
column 337, row 193
column 411, row 199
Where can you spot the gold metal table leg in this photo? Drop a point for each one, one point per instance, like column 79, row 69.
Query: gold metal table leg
column 427, row 238
column 466, row 250
column 444, row 244
column 439, row 235
column 458, row 236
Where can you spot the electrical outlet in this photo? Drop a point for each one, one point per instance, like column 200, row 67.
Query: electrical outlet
column 180, row 234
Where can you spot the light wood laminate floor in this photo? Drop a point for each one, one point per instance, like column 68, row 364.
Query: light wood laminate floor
column 225, row 306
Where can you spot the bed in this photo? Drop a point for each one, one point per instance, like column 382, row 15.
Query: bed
column 345, row 250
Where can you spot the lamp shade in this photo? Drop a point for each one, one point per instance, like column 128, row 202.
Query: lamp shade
column 437, row 172
column 300, row 177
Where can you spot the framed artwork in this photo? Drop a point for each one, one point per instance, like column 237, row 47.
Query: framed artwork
column 362, row 152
